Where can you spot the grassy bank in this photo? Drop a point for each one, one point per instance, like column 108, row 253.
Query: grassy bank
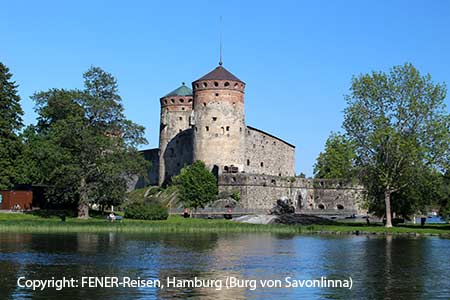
column 33, row 223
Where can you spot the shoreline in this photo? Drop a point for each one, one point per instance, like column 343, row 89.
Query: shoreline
column 22, row 223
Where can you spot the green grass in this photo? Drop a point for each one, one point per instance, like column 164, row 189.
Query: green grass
column 34, row 223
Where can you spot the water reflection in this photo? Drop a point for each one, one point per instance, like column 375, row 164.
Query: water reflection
column 381, row 267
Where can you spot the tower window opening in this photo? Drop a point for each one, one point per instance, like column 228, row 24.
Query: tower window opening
column 196, row 85
column 182, row 108
column 172, row 100
column 190, row 100
column 217, row 94
column 226, row 83
column 234, row 103
column 165, row 101
column 235, row 85
column 204, row 104
column 207, row 128
column 181, row 118
column 340, row 206
column 223, row 132
column 181, row 100
column 205, row 84
column 321, row 206
column 216, row 83
column 228, row 128
column 180, row 130
column 248, row 162
column 214, row 118
column 262, row 164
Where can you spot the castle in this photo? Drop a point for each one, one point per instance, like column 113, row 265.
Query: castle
column 207, row 123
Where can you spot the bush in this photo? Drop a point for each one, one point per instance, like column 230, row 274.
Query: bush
column 140, row 211
column 236, row 195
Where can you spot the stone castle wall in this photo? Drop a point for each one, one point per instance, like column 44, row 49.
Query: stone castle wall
column 268, row 155
column 260, row 192
column 136, row 182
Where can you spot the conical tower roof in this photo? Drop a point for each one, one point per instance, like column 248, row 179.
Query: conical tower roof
column 183, row 90
column 219, row 73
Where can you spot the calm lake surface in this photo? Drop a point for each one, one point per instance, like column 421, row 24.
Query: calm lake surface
column 380, row 267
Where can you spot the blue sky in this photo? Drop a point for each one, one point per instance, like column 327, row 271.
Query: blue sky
column 296, row 57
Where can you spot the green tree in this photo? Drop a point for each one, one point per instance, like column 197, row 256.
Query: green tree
column 10, row 125
column 83, row 147
column 337, row 160
column 197, row 186
column 400, row 128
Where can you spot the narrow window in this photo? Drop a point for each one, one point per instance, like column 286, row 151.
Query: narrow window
column 248, row 162
column 172, row 100
column 181, row 118
column 181, row 100
column 207, row 128
column 227, row 83
column 262, row 164
column 214, row 118
column 205, row 84
column 217, row 94
column 321, row 206
column 204, row 104
column 228, row 128
column 216, row 83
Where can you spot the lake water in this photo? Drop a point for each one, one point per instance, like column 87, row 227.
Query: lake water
column 380, row 267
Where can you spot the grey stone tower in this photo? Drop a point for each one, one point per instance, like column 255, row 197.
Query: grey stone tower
column 219, row 120
column 175, row 135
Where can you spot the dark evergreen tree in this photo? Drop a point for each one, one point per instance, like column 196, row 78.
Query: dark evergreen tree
column 10, row 125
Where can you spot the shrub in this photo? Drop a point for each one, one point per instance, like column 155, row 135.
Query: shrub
column 140, row 211
column 236, row 195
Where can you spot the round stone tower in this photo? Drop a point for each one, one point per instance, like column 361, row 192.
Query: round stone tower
column 175, row 135
column 219, row 128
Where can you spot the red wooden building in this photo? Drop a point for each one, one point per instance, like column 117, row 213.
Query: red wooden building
column 10, row 199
